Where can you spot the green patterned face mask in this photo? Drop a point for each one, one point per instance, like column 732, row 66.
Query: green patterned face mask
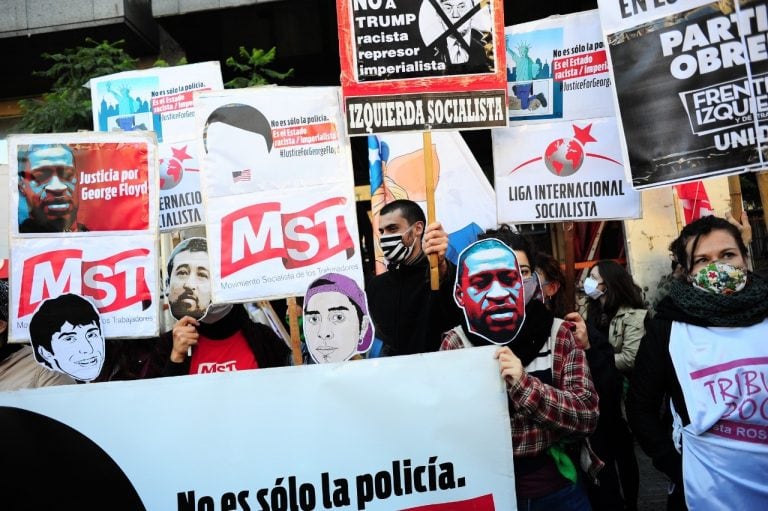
column 719, row 278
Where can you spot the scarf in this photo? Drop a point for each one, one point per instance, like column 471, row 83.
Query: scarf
column 744, row 308
column 531, row 337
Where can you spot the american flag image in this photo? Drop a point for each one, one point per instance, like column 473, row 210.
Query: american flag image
column 239, row 176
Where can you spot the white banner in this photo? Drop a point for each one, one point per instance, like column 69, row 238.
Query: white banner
column 160, row 100
column 389, row 434
column 117, row 273
column 561, row 172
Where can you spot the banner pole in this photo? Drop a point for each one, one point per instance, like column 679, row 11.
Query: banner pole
column 762, row 185
column 293, row 324
column 434, row 272
column 734, row 188
column 570, row 270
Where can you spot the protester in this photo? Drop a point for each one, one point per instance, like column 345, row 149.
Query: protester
column 705, row 349
column 605, row 493
column 409, row 317
column 552, row 283
column 18, row 368
column 616, row 311
column 49, row 191
column 211, row 337
column 553, row 403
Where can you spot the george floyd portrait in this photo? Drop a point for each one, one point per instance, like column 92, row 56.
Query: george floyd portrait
column 48, row 190
column 489, row 288
column 336, row 322
column 66, row 336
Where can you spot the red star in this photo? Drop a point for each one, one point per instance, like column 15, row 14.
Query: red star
column 583, row 135
column 181, row 154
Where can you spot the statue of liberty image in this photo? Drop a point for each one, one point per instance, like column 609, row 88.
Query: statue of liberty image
column 127, row 106
column 526, row 70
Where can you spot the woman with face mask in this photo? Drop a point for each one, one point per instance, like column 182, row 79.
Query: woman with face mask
column 616, row 310
column 706, row 350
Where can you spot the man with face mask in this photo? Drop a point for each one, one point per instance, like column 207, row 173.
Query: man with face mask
column 409, row 317
column 211, row 338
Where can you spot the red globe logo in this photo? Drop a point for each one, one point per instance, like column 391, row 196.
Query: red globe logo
column 564, row 157
column 171, row 172
column 172, row 168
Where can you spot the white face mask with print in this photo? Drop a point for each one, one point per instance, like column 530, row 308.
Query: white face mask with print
column 393, row 247
column 590, row 288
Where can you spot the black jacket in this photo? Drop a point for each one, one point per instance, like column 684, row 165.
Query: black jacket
column 408, row 316
column 653, row 383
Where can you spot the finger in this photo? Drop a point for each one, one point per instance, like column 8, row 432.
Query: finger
column 187, row 320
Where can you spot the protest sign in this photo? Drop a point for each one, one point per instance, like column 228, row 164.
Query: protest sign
column 118, row 274
column 83, row 213
column 160, row 100
column 228, row 440
column 690, row 81
column 411, row 66
column 562, row 172
column 566, row 164
column 278, row 182
column 557, row 69
column 82, row 182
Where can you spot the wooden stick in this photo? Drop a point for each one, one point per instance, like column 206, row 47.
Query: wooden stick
column 293, row 324
column 762, row 185
column 570, row 271
column 734, row 188
column 434, row 271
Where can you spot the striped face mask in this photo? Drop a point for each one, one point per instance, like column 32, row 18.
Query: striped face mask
column 393, row 247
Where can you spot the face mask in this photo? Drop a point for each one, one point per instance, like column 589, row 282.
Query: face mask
column 393, row 247
column 530, row 288
column 215, row 312
column 719, row 278
column 590, row 288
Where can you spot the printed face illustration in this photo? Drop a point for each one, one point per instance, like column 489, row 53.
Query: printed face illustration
column 332, row 327
column 489, row 288
column 50, row 186
column 189, row 289
column 455, row 10
column 77, row 350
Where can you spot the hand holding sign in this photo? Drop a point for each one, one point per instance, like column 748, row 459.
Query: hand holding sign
column 184, row 337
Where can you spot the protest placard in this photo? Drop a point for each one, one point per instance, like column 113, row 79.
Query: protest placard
column 691, row 86
column 277, row 178
column 83, row 213
column 411, row 66
column 557, row 69
column 560, row 159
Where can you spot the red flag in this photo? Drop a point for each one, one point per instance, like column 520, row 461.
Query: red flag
column 484, row 503
column 694, row 199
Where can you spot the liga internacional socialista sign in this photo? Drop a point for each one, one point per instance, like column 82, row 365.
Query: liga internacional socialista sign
column 416, row 65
